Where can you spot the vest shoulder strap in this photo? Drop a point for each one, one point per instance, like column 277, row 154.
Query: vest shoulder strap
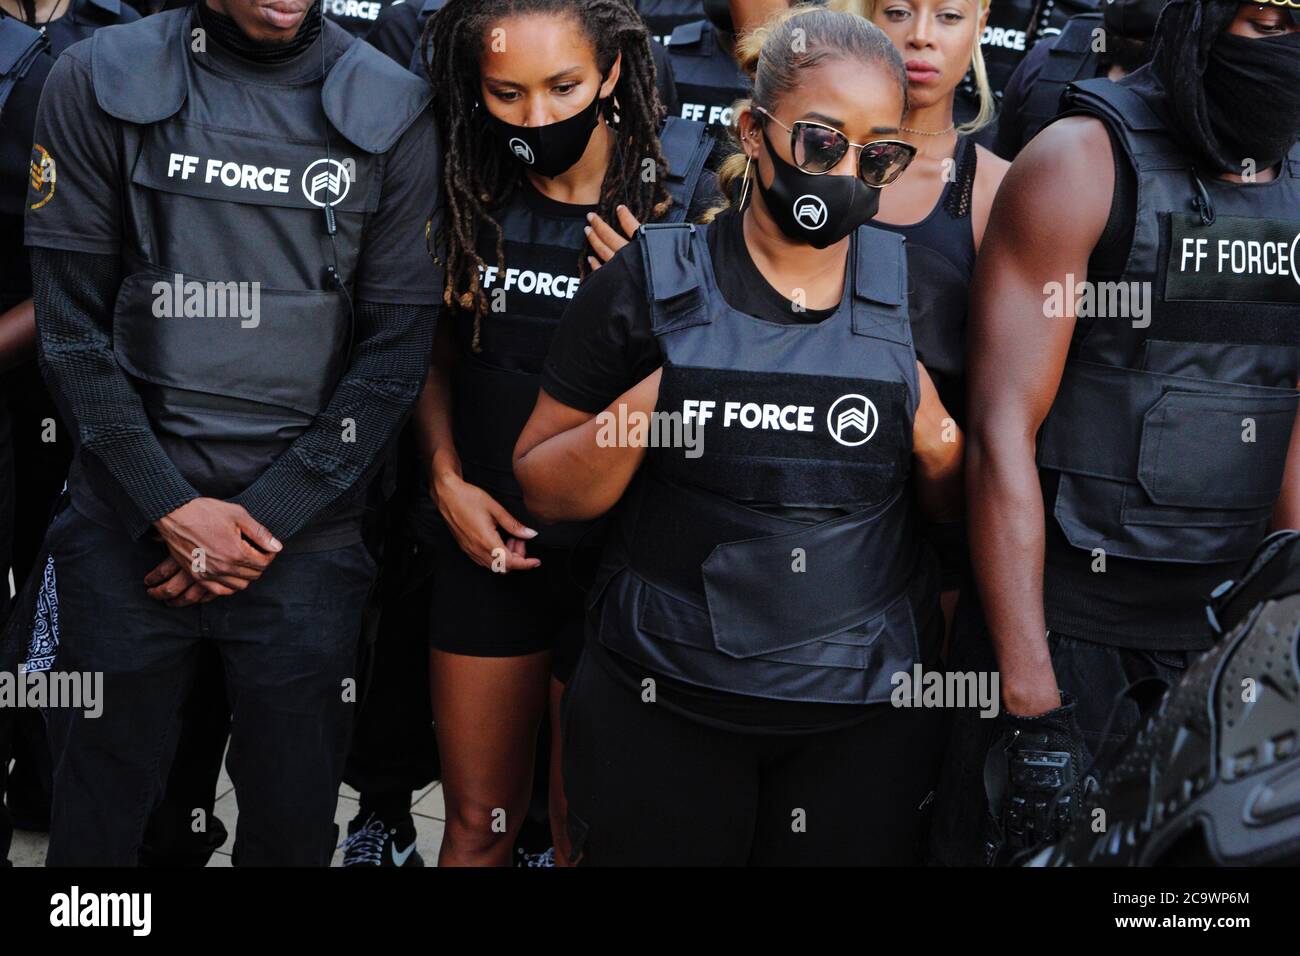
column 880, row 281
column 136, row 67
column 687, row 35
column 1130, row 116
column 672, row 276
column 112, row 8
column 1072, row 51
column 430, row 7
column 361, row 78
column 20, row 46
column 685, row 145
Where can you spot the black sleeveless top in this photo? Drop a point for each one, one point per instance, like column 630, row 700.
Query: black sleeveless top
column 940, row 262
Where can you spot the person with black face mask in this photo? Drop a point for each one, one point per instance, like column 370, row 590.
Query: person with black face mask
column 230, row 400
column 1134, row 357
column 1111, row 42
column 764, row 583
column 557, row 125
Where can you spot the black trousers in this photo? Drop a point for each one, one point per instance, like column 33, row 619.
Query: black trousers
column 394, row 750
column 964, row 832
column 288, row 649
column 649, row 787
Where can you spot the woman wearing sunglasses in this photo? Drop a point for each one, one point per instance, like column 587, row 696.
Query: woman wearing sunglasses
column 764, row 582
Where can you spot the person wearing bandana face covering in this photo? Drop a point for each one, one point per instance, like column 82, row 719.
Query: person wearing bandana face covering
column 764, row 584
column 545, row 135
column 1134, row 356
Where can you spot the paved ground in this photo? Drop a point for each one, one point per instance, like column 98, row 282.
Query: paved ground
column 427, row 809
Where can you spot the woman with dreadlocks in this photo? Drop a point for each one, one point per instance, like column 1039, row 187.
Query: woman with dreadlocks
column 550, row 116
column 1133, row 362
column 764, row 597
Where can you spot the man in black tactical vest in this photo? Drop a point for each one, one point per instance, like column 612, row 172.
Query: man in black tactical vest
column 235, row 308
column 662, row 17
column 1111, row 42
column 1133, row 392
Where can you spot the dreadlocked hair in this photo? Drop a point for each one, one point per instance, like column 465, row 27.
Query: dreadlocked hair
column 771, row 55
column 479, row 175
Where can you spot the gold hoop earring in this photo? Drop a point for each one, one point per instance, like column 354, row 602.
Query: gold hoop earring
column 744, row 187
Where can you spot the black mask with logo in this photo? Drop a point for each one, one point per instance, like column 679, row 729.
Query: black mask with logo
column 818, row 210
column 551, row 149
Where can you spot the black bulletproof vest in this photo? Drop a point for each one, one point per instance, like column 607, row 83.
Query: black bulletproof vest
column 1169, row 439
column 356, row 16
column 85, row 17
column 708, row 80
column 715, row 574
column 662, row 17
column 495, row 389
column 1013, row 27
column 20, row 48
column 429, row 8
column 24, row 64
column 1071, row 59
column 228, row 322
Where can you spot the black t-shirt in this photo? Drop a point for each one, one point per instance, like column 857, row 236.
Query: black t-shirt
column 603, row 347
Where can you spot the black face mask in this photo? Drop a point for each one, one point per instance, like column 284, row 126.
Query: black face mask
column 551, row 149
column 1252, row 94
column 818, row 210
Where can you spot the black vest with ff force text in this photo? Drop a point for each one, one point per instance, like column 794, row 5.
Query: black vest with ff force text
column 494, row 390
column 774, row 555
column 662, row 17
column 230, row 321
column 1169, row 433
column 708, row 80
column 1072, row 59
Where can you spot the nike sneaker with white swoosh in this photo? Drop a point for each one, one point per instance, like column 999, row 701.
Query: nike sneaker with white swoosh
column 377, row 842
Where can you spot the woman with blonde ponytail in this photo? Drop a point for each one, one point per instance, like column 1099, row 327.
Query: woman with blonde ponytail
column 942, row 204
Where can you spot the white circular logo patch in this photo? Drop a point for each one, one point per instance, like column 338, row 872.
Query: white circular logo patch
column 810, row 211
column 522, row 150
column 1295, row 258
column 326, row 181
column 852, row 420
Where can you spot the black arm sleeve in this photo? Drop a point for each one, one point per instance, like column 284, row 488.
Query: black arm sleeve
column 333, row 458
column 74, row 294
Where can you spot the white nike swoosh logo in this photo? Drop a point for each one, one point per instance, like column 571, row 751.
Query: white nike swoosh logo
column 399, row 859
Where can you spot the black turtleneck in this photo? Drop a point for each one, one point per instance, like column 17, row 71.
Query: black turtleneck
column 227, row 34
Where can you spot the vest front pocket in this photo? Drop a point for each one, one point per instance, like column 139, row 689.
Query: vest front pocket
column 1208, row 451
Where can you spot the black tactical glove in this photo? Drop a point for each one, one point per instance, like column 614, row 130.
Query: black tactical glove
column 1034, row 778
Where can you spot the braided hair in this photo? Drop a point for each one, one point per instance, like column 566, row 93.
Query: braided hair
column 478, row 175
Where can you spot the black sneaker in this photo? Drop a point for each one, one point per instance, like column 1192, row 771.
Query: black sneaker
column 377, row 843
